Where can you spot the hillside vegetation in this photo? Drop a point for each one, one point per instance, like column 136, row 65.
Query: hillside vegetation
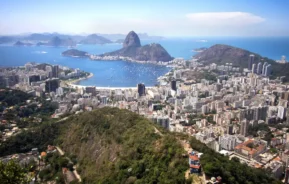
column 117, row 146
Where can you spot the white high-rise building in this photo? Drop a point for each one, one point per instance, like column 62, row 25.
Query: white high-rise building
column 59, row 91
column 227, row 142
column 259, row 68
column 268, row 70
column 281, row 112
column 254, row 68
column 264, row 68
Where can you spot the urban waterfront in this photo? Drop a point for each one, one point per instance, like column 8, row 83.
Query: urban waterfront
column 127, row 74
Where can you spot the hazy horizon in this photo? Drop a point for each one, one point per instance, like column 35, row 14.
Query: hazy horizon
column 162, row 18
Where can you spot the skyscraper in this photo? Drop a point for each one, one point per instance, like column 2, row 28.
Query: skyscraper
column 55, row 71
column 254, row 68
column 141, row 89
column 259, row 68
column 281, row 112
column 51, row 85
column 251, row 61
column 264, row 68
column 244, row 127
column 268, row 70
column 174, row 85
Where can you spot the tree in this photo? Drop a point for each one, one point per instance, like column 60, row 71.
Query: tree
column 11, row 172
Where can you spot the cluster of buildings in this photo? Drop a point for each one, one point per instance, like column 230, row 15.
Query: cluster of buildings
column 37, row 79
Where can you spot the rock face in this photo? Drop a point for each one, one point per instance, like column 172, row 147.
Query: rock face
column 75, row 53
column 95, row 39
column 131, row 40
column 132, row 48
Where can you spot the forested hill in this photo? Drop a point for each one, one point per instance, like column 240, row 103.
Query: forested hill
column 118, row 146
column 222, row 54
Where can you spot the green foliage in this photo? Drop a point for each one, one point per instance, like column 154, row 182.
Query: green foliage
column 13, row 97
column 123, row 147
column 53, row 172
column 39, row 137
column 11, row 172
column 231, row 171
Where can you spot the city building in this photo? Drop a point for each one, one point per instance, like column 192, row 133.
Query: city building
column 194, row 162
column 141, row 89
column 251, row 148
column 228, row 142
column 281, row 112
column 268, row 70
column 51, row 85
column 244, row 127
column 55, row 71
column 264, row 68
column 259, row 68
column 174, row 85
column 251, row 62
column 90, row 89
column 254, row 68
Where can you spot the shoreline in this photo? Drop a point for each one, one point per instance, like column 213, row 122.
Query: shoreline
column 74, row 86
column 72, row 82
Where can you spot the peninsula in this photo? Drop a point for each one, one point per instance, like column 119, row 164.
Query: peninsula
column 132, row 49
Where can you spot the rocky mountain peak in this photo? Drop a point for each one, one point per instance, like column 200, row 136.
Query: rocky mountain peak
column 131, row 40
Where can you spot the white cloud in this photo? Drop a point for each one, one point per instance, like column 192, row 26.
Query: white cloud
column 224, row 18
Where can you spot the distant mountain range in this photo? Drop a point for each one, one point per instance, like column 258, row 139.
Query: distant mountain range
column 95, row 39
column 42, row 38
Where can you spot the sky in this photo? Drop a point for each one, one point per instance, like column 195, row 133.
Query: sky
column 171, row 18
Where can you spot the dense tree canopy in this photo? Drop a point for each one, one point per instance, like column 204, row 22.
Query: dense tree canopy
column 11, row 172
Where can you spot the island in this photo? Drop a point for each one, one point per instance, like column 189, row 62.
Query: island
column 19, row 43
column 75, row 53
column 132, row 49
column 200, row 49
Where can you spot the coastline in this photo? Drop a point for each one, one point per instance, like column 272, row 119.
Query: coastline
column 128, row 59
column 106, row 88
column 72, row 82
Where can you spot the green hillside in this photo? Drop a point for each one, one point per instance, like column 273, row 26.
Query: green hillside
column 118, row 146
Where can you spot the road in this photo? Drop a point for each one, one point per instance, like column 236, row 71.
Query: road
column 158, row 132
column 61, row 152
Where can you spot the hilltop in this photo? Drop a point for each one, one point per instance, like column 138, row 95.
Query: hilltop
column 132, row 48
column 222, row 54
column 95, row 39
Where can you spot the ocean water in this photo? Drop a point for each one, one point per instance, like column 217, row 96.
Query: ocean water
column 127, row 74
